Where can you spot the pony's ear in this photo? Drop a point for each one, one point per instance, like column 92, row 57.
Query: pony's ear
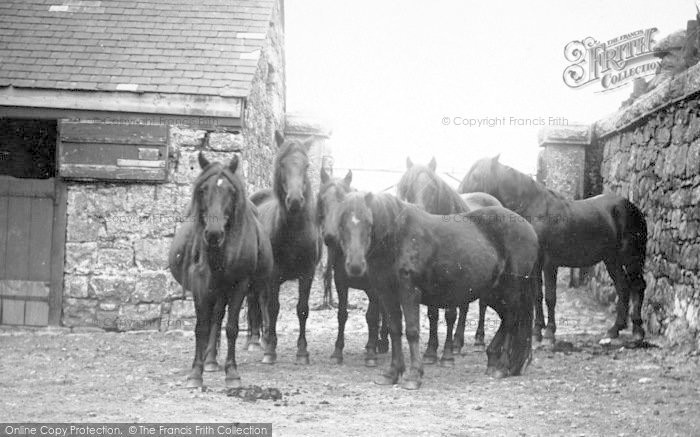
column 203, row 161
column 324, row 176
column 494, row 162
column 496, row 158
column 369, row 197
column 348, row 178
column 409, row 163
column 308, row 142
column 279, row 138
column 233, row 165
column 433, row 164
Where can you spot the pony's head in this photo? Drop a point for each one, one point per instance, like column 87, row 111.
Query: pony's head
column 483, row 176
column 355, row 222
column 218, row 199
column 331, row 193
column 291, row 182
column 420, row 185
column 365, row 222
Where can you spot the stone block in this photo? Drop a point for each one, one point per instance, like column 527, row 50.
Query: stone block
column 152, row 287
column 79, row 312
column 75, row 286
column 152, row 253
column 80, row 257
column 226, row 141
column 112, row 288
column 82, row 228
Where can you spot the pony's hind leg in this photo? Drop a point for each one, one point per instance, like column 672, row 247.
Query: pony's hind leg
column 618, row 277
column 480, row 336
column 550, row 297
column 539, row 312
column 302, row 314
column 383, row 341
column 273, row 309
column 254, row 323
column 372, row 318
column 458, row 341
column 430, row 356
column 210, row 363
column 410, row 304
column 235, row 301
column 337, row 356
column 447, row 358
column 637, row 286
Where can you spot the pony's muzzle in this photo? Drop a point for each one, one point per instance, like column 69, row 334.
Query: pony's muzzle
column 294, row 203
column 356, row 268
column 214, row 237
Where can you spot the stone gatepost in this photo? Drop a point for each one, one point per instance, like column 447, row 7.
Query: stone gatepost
column 301, row 126
column 562, row 164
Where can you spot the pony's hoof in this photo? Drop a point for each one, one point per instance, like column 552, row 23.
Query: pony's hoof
column 410, row 384
column 613, row 332
column 637, row 334
column 385, row 380
column 254, row 347
column 194, row 383
column 303, row 359
column 212, row 367
column 370, row 362
column 382, row 346
column 335, row 359
column 457, row 350
column 548, row 341
column 233, row 382
column 498, row 374
column 429, row 359
column 269, row 359
column 447, row 362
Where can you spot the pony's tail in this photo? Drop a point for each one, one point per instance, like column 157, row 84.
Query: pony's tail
column 634, row 246
column 521, row 343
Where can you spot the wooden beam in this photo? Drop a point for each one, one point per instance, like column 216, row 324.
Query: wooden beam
column 58, row 248
column 151, row 103
column 95, row 172
column 189, row 121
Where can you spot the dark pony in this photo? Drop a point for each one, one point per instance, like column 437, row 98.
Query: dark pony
column 332, row 192
column 422, row 186
column 289, row 219
column 222, row 254
column 413, row 257
column 578, row 233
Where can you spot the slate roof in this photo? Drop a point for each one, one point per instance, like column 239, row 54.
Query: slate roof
column 203, row 47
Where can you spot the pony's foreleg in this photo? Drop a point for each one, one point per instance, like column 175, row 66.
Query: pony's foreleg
column 410, row 305
column 480, row 336
column 328, row 280
column 210, row 363
column 458, row 341
column 372, row 318
column 303, row 314
column 447, row 358
column 392, row 310
column 550, row 297
column 342, row 288
column 235, row 301
column 430, row 356
column 204, row 306
column 623, row 296
column 273, row 309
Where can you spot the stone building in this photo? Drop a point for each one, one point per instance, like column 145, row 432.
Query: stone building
column 104, row 107
column 649, row 152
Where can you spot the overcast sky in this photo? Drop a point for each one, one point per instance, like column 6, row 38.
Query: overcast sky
column 386, row 73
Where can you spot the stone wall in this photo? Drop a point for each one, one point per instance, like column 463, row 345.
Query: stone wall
column 651, row 155
column 118, row 234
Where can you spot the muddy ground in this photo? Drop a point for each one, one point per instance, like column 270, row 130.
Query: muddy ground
column 578, row 388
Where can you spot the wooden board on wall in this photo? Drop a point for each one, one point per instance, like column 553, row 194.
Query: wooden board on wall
column 103, row 151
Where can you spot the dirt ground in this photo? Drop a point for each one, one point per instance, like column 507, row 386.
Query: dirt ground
column 578, row 388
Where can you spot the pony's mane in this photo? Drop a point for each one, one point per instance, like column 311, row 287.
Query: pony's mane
column 289, row 147
column 410, row 177
column 530, row 183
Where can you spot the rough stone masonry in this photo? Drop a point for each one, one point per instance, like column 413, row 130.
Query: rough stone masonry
column 650, row 153
column 118, row 234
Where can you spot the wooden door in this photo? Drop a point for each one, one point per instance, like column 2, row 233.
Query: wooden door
column 32, row 224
